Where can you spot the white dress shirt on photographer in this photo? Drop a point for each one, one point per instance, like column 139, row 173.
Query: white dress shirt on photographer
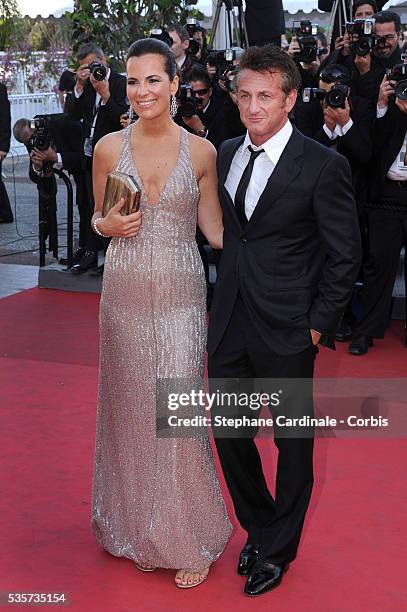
column 398, row 169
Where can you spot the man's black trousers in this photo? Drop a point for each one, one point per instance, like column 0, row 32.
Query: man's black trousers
column 273, row 522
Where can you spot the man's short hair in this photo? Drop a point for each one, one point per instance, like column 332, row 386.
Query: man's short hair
column 18, row 128
column 388, row 17
column 180, row 30
column 335, row 73
column 359, row 3
column 198, row 74
column 87, row 49
column 270, row 59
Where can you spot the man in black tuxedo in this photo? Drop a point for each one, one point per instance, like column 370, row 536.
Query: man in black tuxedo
column 99, row 104
column 291, row 253
column 387, row 218
column 6, row 214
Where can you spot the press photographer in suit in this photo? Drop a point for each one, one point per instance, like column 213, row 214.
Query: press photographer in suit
column 387, row 214
column 99, row 99
column 342, row 121
column 291, row 253
column 64, row 138
column 6, row 214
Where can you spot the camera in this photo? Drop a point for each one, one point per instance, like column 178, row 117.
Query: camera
column 223, row 60
column 41, row 138
column 399, row 74
column 161, row 34
column 227, row 77
column 335, row 98
column 192, row 26
column 306, row 33
column 361, row 33
column 187, row 107
column 98, row 70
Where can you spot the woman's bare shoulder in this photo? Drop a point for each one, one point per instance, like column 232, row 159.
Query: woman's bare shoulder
column 109, row 146
column 203, row 153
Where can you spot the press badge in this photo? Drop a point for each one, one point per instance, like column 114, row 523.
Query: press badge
column 87, row 147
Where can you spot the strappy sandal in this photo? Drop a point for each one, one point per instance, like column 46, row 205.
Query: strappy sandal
column 193, row 584
column 144, row 569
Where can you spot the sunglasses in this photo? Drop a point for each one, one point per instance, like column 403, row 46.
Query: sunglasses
column 200, row 92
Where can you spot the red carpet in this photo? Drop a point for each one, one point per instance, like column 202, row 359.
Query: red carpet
column 353, row 554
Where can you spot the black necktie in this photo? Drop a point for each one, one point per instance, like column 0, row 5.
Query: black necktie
column 243, row 185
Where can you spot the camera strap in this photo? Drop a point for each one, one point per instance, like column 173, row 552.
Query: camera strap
column 88, row 147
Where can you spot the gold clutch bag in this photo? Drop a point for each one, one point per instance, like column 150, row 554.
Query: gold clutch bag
column 121, row 185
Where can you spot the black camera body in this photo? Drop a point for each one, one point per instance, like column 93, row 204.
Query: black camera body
column 223, row 58
column 361, row 33
column 306, row 34
column 187, row 107
column 98, row 70
column 161, row 34
column 41, row 136
column 192, row 26
column 399, row 74
column 335, row 98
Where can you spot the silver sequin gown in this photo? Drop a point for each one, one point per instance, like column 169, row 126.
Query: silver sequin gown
column 155, row 500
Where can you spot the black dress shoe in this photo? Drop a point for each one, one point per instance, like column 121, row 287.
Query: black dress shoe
column 89, row 259
column 343, row 332
column 97, row 271
column 360, row 345
column 77, row 256
column 264, row 577
column 247, row 559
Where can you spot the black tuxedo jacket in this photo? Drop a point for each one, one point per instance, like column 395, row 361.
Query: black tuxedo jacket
column 5, row 120
column 108, row 117
column 296, row 261
column 388, row 138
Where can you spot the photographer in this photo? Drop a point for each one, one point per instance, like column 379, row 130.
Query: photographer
column 207, row 120
column 6, row 214
column 338, row 118
column 99, row 100
column 369, row 60
column 308, row 51
column 361, row 9
column 56, row 139
column 180, row 48
column 387, row 211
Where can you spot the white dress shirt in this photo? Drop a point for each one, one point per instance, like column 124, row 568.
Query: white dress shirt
column 338, row 130
column 263, row 166
column 398, row 169
column 98, row 103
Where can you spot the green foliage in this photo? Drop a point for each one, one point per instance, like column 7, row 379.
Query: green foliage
column 115, row 24
column 9, row 16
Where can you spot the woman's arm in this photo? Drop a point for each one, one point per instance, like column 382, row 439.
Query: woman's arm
column 105, row 157
column 209, row 210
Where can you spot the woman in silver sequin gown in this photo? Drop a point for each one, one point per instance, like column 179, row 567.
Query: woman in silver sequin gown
column 156, row 500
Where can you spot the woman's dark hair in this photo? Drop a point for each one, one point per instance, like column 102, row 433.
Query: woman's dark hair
column 154, row 46
column 271, row 59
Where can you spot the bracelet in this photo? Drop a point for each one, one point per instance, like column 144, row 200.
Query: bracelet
column 95, row 227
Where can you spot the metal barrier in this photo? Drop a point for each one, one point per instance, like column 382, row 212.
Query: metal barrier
column 29, row 105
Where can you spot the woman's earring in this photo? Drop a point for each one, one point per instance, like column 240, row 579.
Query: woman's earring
column 133, row 115
column 173, row 106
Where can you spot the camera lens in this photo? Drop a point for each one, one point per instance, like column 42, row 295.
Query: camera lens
column 401, row 90
column 99, row 72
